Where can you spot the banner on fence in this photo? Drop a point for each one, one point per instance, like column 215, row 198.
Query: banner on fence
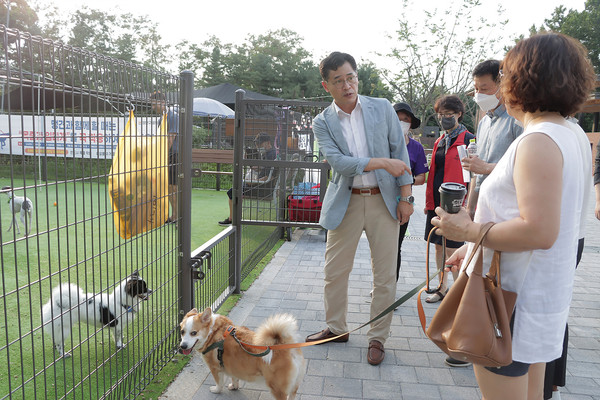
column 66, row 136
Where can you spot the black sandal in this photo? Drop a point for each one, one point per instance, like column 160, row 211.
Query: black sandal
column 440, row 297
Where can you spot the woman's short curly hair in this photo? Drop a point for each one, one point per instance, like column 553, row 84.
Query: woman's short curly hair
column 547, row 72
column 450, row 102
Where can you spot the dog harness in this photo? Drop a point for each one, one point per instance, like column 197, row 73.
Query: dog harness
column 230, row 331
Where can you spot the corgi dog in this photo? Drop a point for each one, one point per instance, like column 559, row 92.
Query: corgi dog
column 282, row 370
column 68, row 305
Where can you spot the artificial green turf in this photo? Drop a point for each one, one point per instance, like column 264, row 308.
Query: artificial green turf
column 76, row 239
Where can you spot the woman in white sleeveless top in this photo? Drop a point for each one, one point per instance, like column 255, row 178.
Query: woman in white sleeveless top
column 535, row 197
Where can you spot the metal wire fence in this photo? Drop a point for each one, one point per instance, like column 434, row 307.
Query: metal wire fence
column 62, row 112
column 90, row 304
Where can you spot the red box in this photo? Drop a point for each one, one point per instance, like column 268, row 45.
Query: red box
column 305, row 209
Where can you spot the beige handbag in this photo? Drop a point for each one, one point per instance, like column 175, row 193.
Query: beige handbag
column 472, row 322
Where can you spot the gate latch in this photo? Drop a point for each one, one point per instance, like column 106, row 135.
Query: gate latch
column 197, row 262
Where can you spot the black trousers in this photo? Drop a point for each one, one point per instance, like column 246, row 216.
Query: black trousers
column 403, row 229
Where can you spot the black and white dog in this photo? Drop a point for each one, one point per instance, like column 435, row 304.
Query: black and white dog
column 19, row 205
column 69, row 305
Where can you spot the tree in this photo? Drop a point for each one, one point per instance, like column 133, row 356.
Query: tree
column 93, row 30
column 371, row 82
column 437, row 58
column 274, row 63
column 583, row 25
column 19, row 15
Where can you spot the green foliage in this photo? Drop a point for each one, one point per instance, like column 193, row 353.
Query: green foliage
column 437, row 57
column 21, row 16
column 583, row 25
column 274, row 63
column 199, row 135
column 371, row 83
column 123, row 36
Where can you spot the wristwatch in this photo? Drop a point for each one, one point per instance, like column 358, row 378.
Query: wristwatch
column 410, row 199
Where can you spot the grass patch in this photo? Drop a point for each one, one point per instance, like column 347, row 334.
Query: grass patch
column 76, row 241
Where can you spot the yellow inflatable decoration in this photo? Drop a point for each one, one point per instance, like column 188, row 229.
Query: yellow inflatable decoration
column 138, row 181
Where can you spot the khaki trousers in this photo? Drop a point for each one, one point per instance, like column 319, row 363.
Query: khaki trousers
column 368, row 213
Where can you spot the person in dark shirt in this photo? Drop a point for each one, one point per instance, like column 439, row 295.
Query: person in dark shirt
column 418, row 162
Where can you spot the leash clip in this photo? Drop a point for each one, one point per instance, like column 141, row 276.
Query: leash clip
column 229, row 331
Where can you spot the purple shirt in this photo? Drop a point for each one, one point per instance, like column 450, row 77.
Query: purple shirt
column 418, row 161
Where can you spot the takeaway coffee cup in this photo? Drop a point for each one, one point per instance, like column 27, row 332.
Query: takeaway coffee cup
column 452, row 196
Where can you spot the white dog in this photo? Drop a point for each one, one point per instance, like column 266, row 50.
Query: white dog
column 19, row 205
column 69, row 305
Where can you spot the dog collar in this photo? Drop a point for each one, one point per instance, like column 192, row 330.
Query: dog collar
column 127, row 308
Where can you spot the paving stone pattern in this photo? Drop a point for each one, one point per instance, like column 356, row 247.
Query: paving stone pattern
column 413, row 367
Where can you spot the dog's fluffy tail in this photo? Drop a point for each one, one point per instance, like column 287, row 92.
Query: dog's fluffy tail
column 67, row 296
column 277, row 329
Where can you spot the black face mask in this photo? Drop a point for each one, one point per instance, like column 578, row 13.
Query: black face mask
column 448, row 122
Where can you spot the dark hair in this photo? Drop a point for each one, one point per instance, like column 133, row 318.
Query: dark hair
column 488, row 67
column 158, row 95
column 547, row 72
column 450, row 102
column 334, row 61
column 261, row 138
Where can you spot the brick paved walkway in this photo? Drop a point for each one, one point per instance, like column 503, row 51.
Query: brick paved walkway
column 414, row 367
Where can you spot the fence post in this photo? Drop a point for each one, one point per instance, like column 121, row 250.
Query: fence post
column 186, row 298
column 238, row 152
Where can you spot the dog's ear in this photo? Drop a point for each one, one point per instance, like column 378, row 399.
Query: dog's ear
column 6, row 187
column 131, row 287
column 135, row 287
column 206, row 315
column 191, row 313
column 135, row 274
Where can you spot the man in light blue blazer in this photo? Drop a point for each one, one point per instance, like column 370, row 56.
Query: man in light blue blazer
column 370, row 190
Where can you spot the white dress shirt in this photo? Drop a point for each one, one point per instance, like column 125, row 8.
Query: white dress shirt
column 353, row 128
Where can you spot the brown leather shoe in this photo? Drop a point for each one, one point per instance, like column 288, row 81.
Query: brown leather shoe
column 376, row 353
column 326, row 334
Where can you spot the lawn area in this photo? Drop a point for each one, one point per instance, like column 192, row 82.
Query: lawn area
column 75, row 241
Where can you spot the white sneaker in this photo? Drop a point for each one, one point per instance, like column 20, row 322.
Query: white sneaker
column 555, row 395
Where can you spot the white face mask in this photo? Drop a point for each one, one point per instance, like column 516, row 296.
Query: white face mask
column 405, row 127
column 486, row 101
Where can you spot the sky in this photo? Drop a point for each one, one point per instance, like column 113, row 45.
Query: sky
column 356, row 27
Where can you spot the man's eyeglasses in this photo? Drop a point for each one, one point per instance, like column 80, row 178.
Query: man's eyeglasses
column 350, row 80
column 446, row 115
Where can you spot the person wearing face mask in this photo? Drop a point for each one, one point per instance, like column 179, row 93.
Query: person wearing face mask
column 418, row 161
column 496, row 130
column 267, row 152
column 536, row 197
column 445, row 167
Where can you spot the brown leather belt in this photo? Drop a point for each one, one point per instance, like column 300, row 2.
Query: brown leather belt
column 366, row 191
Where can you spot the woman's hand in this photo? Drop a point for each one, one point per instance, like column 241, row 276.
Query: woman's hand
column 454, row 262
column 458, row 227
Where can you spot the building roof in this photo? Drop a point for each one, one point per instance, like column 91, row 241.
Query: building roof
column 225, row 93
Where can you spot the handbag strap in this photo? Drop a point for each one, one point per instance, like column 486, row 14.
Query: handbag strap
column 483, row 231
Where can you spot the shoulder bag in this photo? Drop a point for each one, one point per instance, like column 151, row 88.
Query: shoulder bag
column 472, row 322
